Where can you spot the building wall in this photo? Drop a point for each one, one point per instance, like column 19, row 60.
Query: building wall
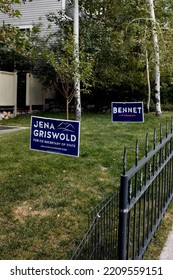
column 35, row 94
column 34, row 13
column 8, row 89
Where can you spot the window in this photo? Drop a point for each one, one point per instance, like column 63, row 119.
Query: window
column 24, row 28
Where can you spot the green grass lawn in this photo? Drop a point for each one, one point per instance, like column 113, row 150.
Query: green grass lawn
column 45, row 198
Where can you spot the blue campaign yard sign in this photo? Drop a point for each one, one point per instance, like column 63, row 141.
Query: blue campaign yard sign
column 55, row 136
column 127, row 112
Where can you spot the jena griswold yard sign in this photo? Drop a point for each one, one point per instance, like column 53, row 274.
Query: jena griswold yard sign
column 55, row 136
column 127, row 112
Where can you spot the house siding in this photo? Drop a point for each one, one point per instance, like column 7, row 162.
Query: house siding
column 34, row 13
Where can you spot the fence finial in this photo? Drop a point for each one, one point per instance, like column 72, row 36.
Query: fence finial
column 124, row 161
column 166, row 129
column 171, row 124
column 160, row 133
column 137, row 151
column 154, row 146
column 146, row 145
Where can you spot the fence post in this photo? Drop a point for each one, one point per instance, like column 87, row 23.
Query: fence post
column 123, row 212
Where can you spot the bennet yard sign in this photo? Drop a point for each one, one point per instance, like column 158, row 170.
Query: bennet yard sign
column 55, row 136
column 127, row 112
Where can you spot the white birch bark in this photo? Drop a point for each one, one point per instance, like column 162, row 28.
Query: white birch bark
column 157, row 58
column 148, row 81
column 148, row 73
column 77, row 76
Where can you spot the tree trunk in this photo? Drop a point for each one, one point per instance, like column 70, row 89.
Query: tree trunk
column 76, row 51
column 148, row 73
column 157, row 59
column 67, row 109
column 148, row 81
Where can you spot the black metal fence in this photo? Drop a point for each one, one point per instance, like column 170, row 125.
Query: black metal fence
column 145, row 194
column 101, row 240
column 122, row 226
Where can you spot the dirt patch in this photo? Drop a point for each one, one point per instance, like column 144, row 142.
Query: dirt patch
column 25, row 210
column 103, row 169
column 106, row 180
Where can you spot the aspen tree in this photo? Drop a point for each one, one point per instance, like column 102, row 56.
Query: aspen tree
column 157, row 58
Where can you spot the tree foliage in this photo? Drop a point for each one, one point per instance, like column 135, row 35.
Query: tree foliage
column 6, row 7
column 115, row 36
column 118, row 33
column 11, row 39
column 56, row 60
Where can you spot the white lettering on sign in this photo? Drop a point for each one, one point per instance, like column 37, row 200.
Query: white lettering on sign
column 54, row 135
column 122, row 110
column 41, row 124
